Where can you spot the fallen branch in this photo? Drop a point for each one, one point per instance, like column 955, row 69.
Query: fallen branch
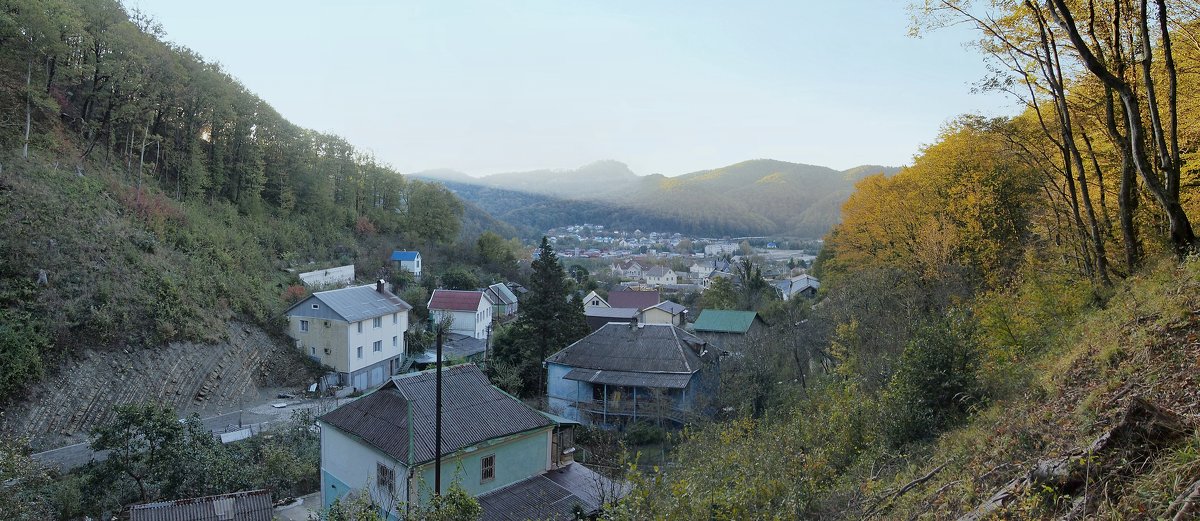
column 891, row 497
column 1186, row 502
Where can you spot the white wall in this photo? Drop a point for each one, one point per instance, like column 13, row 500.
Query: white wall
column 369, row 335
column 354, row 463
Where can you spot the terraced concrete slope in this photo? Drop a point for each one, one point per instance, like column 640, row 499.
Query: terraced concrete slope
column 208, row 379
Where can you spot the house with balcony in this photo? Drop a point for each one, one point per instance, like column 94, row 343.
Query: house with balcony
column 627, row 372
column 357, row 331
column 470, row 312
column 516, row 460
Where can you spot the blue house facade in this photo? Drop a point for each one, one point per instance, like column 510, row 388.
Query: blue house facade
column 627, row 372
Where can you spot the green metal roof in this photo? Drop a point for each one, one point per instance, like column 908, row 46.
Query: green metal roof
column 724, row 321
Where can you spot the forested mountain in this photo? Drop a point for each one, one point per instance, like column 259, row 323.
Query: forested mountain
column 759, row 197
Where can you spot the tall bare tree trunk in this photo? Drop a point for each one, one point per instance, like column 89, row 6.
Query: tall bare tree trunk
column 28, row 105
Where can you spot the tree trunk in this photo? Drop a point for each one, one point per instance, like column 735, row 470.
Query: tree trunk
column 28, row 106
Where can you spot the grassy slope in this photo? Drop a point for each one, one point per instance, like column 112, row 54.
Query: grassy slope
column 1145, row 343
column 128, row 273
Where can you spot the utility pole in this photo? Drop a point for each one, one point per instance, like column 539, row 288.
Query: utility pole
column 437, row 425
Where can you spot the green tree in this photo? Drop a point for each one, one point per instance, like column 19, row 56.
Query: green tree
column 23, row 482
column 458, row 277
column 720, row 294
column 549, row 321
column 21, row 346
column 142, row 440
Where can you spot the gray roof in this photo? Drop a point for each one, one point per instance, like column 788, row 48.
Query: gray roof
column 350, row 304
column 505, row 295
column 671, row 307
column 601, row 311
column 551, row 496
column 647, row 348
column 472, row 411
column 254, row 505
column 630, row 379
column 454, row 345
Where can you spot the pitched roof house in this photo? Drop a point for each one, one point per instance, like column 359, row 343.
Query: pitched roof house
column 597, row 316
column 594, row 299
column 469, row 311
column 665, row 312
column 358, row 331
column 384, row 443
column 660, row 275
column 625, row 372
column 727, row 329
column 803, row 285
column 504, row 302
column 408, row 261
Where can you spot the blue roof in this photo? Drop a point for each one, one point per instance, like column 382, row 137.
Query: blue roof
column 406, row 256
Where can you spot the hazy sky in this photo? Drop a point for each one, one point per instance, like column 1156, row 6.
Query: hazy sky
column 667, row 87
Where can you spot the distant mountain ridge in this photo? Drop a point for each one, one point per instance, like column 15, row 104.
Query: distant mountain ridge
column 756, row 197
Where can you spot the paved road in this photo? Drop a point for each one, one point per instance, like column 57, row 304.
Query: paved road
column 259, row 418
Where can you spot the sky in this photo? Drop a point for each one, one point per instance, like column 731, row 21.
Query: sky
column 665, row 87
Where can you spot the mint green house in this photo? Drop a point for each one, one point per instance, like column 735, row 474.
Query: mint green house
column 509, row 455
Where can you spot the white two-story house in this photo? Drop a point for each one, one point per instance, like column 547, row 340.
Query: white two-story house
column 358, row 331
column 470, row 311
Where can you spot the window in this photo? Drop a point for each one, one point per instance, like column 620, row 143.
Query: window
column 360, row 351
column 385, row 478
column 395, row 341
column 377, row 322
column 377, row 346
column 314, row 350
column 360, row 327
column 303, row 325
column 487, row 468
column 316, row 306
column 395, row 318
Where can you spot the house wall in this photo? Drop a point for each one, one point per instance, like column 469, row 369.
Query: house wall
column 390, row 327
column 322, row 337
column 471, row 323
column 563, row 393
column 658, row 316
column 518, row 457
column 348, row 464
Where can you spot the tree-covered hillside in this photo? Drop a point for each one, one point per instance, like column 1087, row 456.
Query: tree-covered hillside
column 1007, row 328
column 147, row 197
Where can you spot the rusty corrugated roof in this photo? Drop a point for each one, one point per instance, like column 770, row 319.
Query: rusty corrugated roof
column 254, row 505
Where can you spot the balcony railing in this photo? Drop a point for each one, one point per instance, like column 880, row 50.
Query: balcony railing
column 643, row 409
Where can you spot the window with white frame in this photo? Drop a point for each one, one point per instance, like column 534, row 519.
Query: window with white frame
column 487, row 468
column 303, row 325
column 360, row 327
column 377, row 322
column 377, row 346
column 360, row 351
column 385, row 479
column 395, row 341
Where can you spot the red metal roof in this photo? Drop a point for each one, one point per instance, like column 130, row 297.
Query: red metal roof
column 455, row 300
column 633, row 299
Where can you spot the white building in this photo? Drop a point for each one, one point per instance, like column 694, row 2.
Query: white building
column 470, row 311
column 357, row 331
